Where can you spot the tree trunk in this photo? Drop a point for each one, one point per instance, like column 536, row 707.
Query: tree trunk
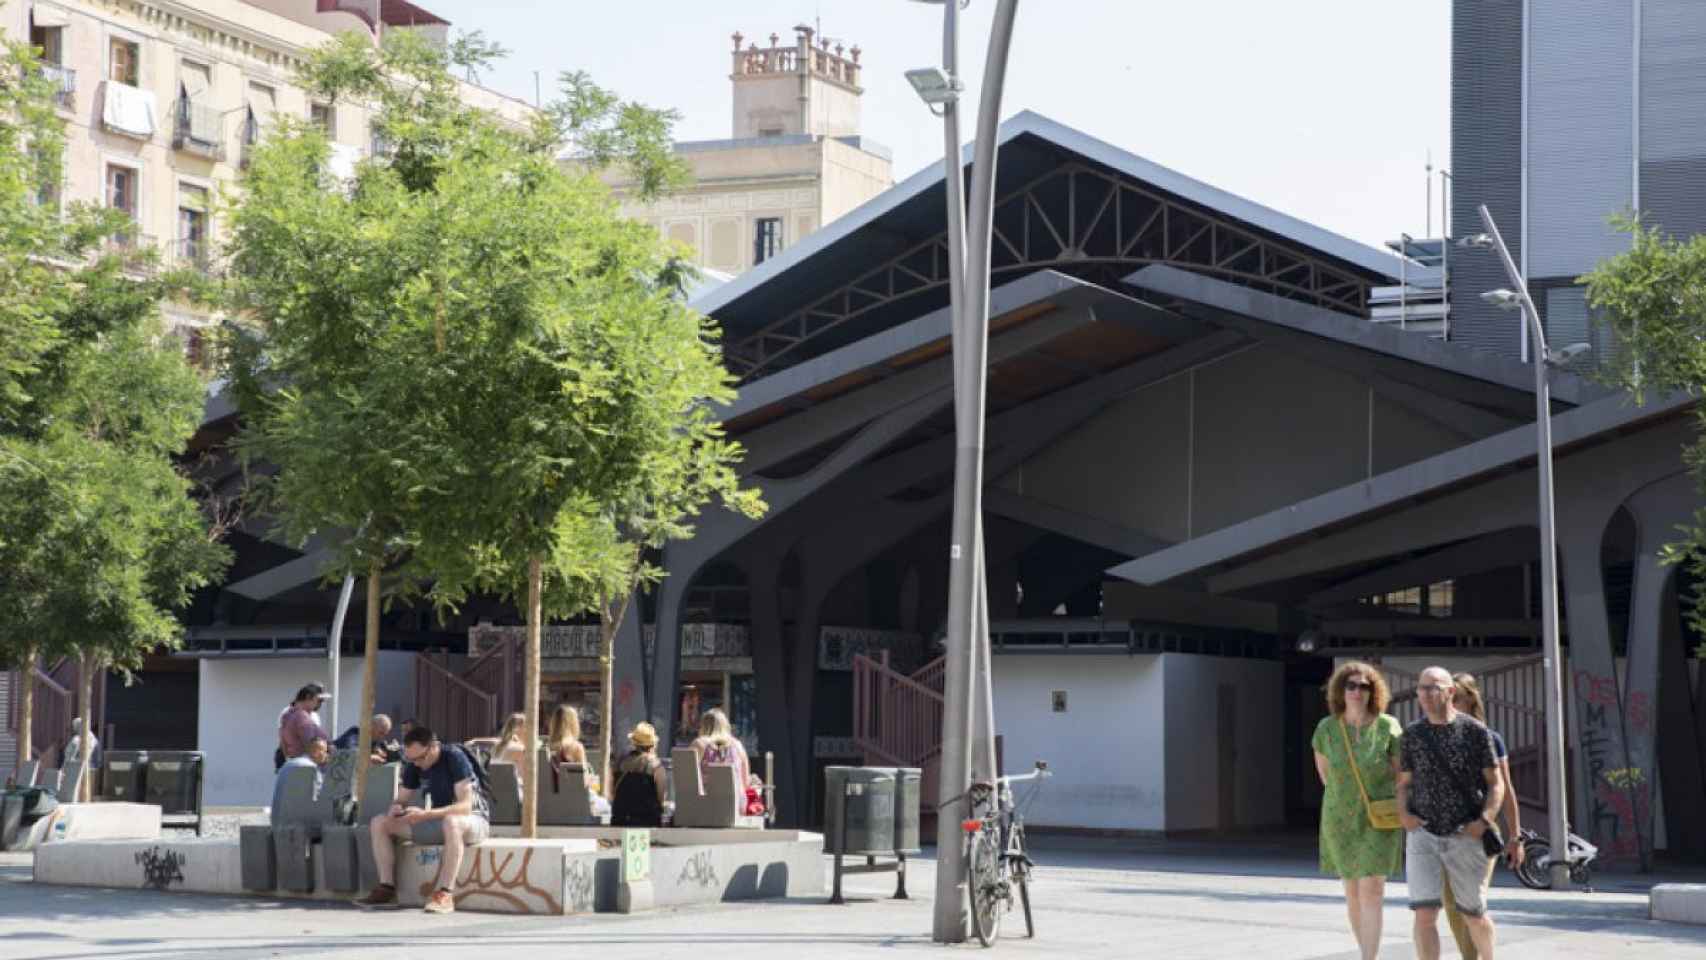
column 530, row 697
column 86, row 702
column 26, row 707
column 369, row 688
column 611, row 621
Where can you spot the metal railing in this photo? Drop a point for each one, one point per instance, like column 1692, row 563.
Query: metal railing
column 1515, row 698
column 195, row 253
column 196, row 129
column 64, row 80
column 55, row 703
column 897, row 719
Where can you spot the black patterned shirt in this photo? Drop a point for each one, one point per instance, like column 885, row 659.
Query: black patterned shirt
column 1445, row 761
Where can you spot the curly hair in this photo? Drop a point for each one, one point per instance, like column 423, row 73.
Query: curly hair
column 1379, row 697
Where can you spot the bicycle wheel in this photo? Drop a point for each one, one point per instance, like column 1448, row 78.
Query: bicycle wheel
column 1021, row 873
column 986, row 881
column 1529, row 872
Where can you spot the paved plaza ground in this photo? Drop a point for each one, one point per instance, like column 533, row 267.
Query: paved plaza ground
column 1258, row 898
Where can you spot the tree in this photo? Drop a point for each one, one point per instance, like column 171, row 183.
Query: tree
column 100, row 538
column 467, row 348
column 1653, row 299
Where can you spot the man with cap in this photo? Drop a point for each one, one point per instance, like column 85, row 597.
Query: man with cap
column 299, row 725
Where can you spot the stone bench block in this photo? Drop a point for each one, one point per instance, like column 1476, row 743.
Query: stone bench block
column 260, row 860
column 293, row 846
column 96, row 821
column 340, row 863
column 186, row 866
column 504, row 876
column 1679, row 903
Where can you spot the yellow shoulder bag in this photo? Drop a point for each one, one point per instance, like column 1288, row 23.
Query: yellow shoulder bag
column 1382, row 814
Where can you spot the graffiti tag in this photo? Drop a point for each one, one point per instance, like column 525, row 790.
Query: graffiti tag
column 699, row 869
column 160, row 868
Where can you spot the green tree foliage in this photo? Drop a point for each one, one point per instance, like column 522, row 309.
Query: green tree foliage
column 1653, row 298
column 101, row 540
column 467, row 348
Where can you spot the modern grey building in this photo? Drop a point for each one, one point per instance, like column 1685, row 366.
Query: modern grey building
column 1564, row 114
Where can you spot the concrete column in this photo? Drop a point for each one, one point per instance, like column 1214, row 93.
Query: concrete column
column 629, row 701
column 1681, row 748
column 775, row 726
column 1601, row 811
column 1658, row 510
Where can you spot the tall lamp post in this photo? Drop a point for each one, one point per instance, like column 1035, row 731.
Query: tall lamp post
column 1518, row 299
column 967, row 657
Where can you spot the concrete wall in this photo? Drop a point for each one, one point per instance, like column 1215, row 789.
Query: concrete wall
column 1194, row 751
column 238, row 714
column 1105, row 750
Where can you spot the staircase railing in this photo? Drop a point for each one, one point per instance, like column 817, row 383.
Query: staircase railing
column 897, row 719
column 454, row 708
column 55, row 703
column 1515, row 698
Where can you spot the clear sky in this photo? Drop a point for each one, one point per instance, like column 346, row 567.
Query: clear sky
column 1326, row 109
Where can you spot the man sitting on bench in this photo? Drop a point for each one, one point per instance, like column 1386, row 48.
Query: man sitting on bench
column 451, row 783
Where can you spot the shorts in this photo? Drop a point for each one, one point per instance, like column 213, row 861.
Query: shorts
column 475, row 829
column 1428, row 859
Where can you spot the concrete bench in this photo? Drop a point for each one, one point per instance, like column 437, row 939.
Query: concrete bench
column 714, row 800
column 1679, row 903
column 506, row 793
column 564, row 799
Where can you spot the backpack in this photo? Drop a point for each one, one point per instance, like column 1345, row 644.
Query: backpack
column 482, row 776
column 636, row 801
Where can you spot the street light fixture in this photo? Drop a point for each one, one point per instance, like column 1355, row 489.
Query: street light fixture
column 1552, row 655
column 935, row 87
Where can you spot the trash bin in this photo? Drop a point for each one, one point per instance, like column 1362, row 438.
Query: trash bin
column 124, row 781
column 173, row 780
column 908, row 798
column 859, row 818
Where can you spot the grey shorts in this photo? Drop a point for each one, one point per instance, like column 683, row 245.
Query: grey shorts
column 475, row 829
column 1429, row 860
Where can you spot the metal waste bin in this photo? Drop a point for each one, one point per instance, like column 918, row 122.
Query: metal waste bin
column 859, row 818
column 173, row 779
column 124, row 780
column 908, row 798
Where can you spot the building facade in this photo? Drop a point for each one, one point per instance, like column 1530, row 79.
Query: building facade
column 1565, row 114
column 163, row 101
column 795, row 161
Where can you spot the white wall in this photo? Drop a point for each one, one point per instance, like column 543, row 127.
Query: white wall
column 238, row 714
column 1193, row 746
column 1105, row 751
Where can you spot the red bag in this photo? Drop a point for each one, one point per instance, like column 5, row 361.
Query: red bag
column 754, row 802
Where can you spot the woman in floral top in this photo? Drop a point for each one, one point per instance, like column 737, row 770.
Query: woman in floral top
column 1357, row 729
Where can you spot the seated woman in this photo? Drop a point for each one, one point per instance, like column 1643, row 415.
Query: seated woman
column 565, row 741
column 641, row 782
column 716, row 743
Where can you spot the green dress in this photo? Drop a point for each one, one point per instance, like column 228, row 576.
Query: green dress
column 1349, row 846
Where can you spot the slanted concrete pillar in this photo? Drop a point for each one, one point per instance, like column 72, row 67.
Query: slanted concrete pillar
column 629, row 701
column 1658, row 510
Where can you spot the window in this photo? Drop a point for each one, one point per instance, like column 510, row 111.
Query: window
column 198, row 127
column 121, row 188
column 192, row 245
column 770, row 132
column 50, row 41
column 766, row 238
column 320, row 115
column 263, row 100
column 124, row 62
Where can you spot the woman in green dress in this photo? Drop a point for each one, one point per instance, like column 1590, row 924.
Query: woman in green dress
column 1357, row 729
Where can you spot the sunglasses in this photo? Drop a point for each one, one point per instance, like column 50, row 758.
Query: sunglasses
column 1362, row 685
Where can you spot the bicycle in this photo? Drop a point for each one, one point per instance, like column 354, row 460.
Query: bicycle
column 996, row 861
column 1535, row 872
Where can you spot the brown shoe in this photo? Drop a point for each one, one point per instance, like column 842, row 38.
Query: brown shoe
column 441, row 902
column 384, row 895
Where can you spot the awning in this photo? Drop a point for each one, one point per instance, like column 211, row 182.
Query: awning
column 47, row 15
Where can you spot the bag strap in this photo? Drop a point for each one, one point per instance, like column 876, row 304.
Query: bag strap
column 1352, row 760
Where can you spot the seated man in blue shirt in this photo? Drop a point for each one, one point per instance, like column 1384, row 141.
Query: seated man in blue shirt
column 447, row 776
column 314, row 756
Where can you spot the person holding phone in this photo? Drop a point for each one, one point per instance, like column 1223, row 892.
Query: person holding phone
column 447, row 776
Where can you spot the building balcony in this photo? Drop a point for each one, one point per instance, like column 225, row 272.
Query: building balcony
column 838, row 65
column 196, row 129
column 195, row 253
column 138, row 251
column 64, row 81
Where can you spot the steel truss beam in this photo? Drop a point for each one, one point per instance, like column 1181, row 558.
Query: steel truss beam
column 1075, row 216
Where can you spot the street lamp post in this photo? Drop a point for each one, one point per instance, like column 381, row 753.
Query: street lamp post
column 967, row 655
column 1518, row 298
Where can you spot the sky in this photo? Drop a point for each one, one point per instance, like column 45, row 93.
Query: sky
column 1327, row 110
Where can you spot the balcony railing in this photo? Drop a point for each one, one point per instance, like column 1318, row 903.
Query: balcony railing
column 135, row 249
column 196, row 129
column 194, row 253
column 64, row 80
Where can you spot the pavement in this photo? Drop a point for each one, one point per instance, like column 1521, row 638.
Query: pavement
column 1250, row 897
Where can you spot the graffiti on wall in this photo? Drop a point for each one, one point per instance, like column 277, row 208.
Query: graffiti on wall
column 502, row 876
column 160, row 868
column 1618, row 800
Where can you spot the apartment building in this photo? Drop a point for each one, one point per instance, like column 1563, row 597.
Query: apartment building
column 164, row 100
column 796, row 159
